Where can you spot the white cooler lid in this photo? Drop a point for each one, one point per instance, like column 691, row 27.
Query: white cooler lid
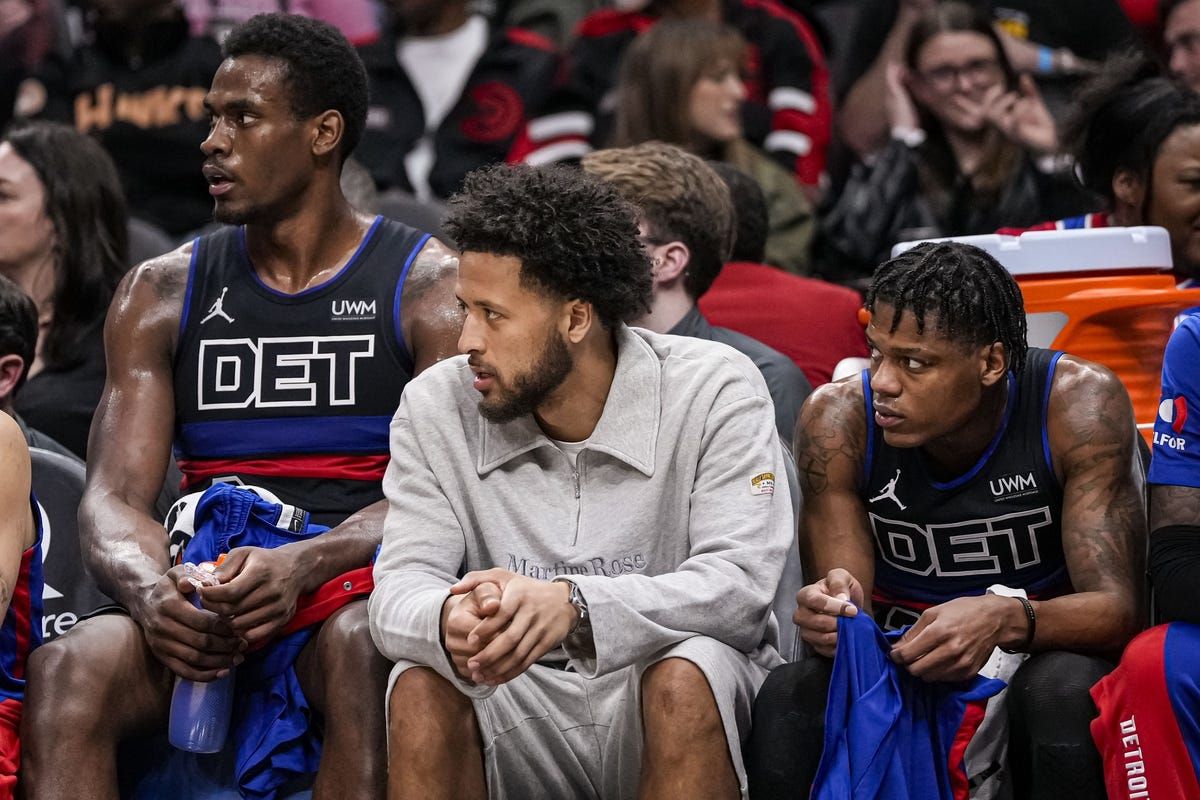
column 1083, row 250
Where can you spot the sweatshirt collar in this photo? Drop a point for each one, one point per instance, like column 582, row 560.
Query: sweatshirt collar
column 628, row 426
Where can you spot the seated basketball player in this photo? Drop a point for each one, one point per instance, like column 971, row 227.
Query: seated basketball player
column 273, row 352
column 1149, row 726
column 960, row 460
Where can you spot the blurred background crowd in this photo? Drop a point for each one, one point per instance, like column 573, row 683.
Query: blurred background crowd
column 841, row 126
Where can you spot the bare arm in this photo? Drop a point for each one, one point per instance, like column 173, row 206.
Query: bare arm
column 830, row 448
column 17, row 530
column 835, row 544
column 429, row 311
column 1092, row 433
column 863, row 118
column 1174, row 505
column 123, row 546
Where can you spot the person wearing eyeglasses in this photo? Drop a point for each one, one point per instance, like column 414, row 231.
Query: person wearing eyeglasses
column 972, row 148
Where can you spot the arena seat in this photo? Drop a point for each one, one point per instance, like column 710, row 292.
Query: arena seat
column 69, row 591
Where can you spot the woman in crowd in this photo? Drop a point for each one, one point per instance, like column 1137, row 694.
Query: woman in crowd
column 971, row 149
column 63, row 239
column 681, row 83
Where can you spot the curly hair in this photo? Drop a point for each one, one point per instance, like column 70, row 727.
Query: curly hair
column 574, row 234
column 323, row 70
column 679, row 197
column 974, row 300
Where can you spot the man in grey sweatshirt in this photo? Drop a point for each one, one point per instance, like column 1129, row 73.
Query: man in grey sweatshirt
column 617, row 500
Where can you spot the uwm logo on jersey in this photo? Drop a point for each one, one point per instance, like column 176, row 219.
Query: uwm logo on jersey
column 280, row 372
column 991, row 546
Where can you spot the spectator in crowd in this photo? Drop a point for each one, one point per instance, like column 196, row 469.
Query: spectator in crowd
column 918, row 448
column 204, row 344
column 1181, row 37
column 1136, row 138
column 786, row 109
column 814, row 323
column 553, row 19
column 139, row 89
column 449, row 95
column 21, row 602
column 965, row 151
column 686, row 222
column 618, row 501
column 18, row 343
column 63, row 240
column 26, row 34
column 358, row 20
column 681, row 83
column 1057, row 40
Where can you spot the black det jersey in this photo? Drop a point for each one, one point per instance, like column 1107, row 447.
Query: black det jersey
column 999, row 522
column 293, row 392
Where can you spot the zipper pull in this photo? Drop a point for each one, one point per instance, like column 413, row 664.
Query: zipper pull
column 575, row 473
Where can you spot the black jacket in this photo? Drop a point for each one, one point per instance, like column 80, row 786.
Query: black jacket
column 508, row 85
column 887, row 202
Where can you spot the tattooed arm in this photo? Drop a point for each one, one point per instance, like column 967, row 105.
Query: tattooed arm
column 835, row 543
column 1175, row 552
column 17, row 529
column 1091, row 429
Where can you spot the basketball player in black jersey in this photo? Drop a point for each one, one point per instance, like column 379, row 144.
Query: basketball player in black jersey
column 287, row 106
column 963, row 459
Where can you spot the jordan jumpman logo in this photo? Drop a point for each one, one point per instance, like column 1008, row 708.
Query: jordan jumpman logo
column 218, row 308
column 889, row 492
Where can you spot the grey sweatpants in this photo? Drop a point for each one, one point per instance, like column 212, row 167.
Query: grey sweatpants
column 555, row 734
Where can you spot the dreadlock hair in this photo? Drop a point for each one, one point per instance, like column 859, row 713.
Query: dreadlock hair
column 973, row 299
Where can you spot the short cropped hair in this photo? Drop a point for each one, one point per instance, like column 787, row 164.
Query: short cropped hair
column 324, row 71
column 749, row 212
column 680, row 199
column 574, row 235
column 18, row 325
column 974, row 300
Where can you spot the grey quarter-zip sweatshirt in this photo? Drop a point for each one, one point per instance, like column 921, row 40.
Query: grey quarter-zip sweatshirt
column 674, row 522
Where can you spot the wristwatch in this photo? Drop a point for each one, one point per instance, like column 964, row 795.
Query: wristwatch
column 575, row 598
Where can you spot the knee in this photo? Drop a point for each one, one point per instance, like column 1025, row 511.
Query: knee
column 61, row 668
column 66, row 680
column 677, row 700
column 423, row 704
column 345, row 647
column 1057, row 680
column 1050, row 699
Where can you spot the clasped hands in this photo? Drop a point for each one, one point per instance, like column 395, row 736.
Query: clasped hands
column 496, row 624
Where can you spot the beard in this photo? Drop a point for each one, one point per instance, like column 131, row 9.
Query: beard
column 529, row 390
